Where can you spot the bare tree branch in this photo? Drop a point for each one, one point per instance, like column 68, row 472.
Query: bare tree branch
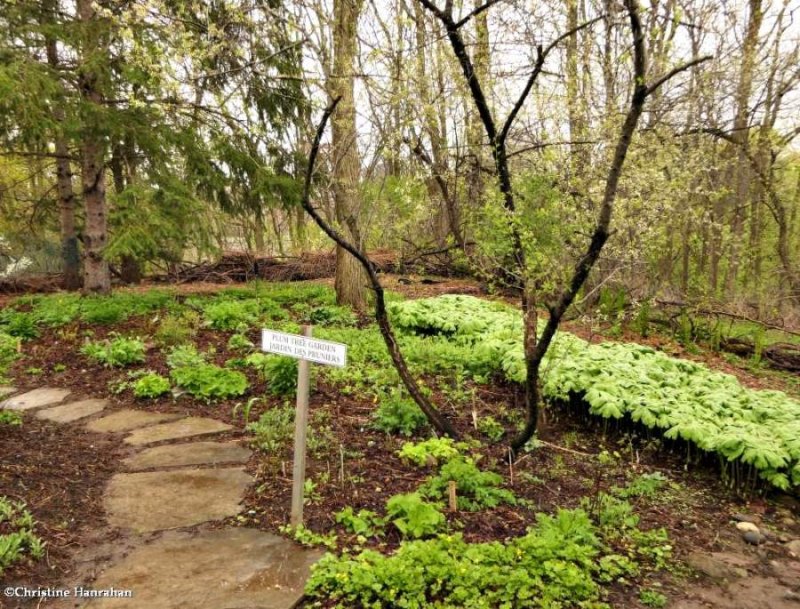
column 381, row 316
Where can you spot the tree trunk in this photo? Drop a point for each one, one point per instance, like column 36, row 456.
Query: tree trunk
column 351, row 280
column 96, row 275
column 741, row 131
column 70, row 256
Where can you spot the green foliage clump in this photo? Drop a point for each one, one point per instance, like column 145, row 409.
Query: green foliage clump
column 227, row 314
column 151, row 385
column 305, row 536
column 9, row 351
column 273, row 430
column 398, row 415
column 239, row 342
column 365, row 522
column 119, row 351
column 177, row 328
column 491, row 428
column 209, row 382
column 431, row 452
column 19, row 324
column 10, row 418
column 476, row 489
column 413, row 516
column 556, row 564
column 645, row 485
column 224, row 313
column 279, row 372
column 753, row 431
column 325, row 315
column 17, row 538
column 652, row 598
column 185, row 356
column 102, row 311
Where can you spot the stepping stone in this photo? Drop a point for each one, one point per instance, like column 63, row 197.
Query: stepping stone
column 125, row 420
column 233, row 568
column 184, row 428
column 72, row 411
column 197, row 453
column 4, row 391
column 44, row 396
column 154, row 501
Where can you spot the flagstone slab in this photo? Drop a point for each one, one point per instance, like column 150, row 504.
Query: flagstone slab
column 196, row 453
column 183, row 428
column 38, row 398
column 155, row 501
column 233, row 568
column 4, row 391
column 128, row 419
column 73, row 411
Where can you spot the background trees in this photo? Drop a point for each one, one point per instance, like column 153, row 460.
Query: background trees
column 197, row 117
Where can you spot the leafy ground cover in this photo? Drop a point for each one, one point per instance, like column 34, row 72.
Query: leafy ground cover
column 377, row 487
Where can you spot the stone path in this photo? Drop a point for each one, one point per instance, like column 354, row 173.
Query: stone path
column 178, row 478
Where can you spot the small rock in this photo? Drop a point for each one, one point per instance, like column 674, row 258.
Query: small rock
column 713, row 567
column 784, row 538
column 754, row 537
column 747, row 527
column 787, row 521
column 794, row 547
column 747, row 518
column 792, row 596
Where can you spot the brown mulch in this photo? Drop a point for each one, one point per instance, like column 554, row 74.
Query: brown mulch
column 59, row 472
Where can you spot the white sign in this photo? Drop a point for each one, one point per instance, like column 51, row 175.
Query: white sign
column 304, row 347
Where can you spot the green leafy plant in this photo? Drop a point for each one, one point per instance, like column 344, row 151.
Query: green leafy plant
column 398, row 415
column 476, row 489
column 116, row 352
column 184, row 356
column 239, row 342
column 431, row 452
column 491, row 428
column 18, row 540
column 365, row 523
column 273, row 430
column 652, row 598
column 177, row 329
column 305, row 536
column 10, row 418
column 413, row 516
column 556, row 564
column 279, row 372
column 209, row 382
column 19, row 324
column 151, row 385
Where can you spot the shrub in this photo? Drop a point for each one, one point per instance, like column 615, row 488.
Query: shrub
column 329, row 315
column 10, row 418
column 413, row 516
column 17, row 537
column 398, row 415
column 151, row 385
column 475, row 489
column 273, row 430
column 431, row 452
column 116, row 352
column 209, row 382
column 185, row 356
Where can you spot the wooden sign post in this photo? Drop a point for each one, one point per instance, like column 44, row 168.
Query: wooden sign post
column 307, row 350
